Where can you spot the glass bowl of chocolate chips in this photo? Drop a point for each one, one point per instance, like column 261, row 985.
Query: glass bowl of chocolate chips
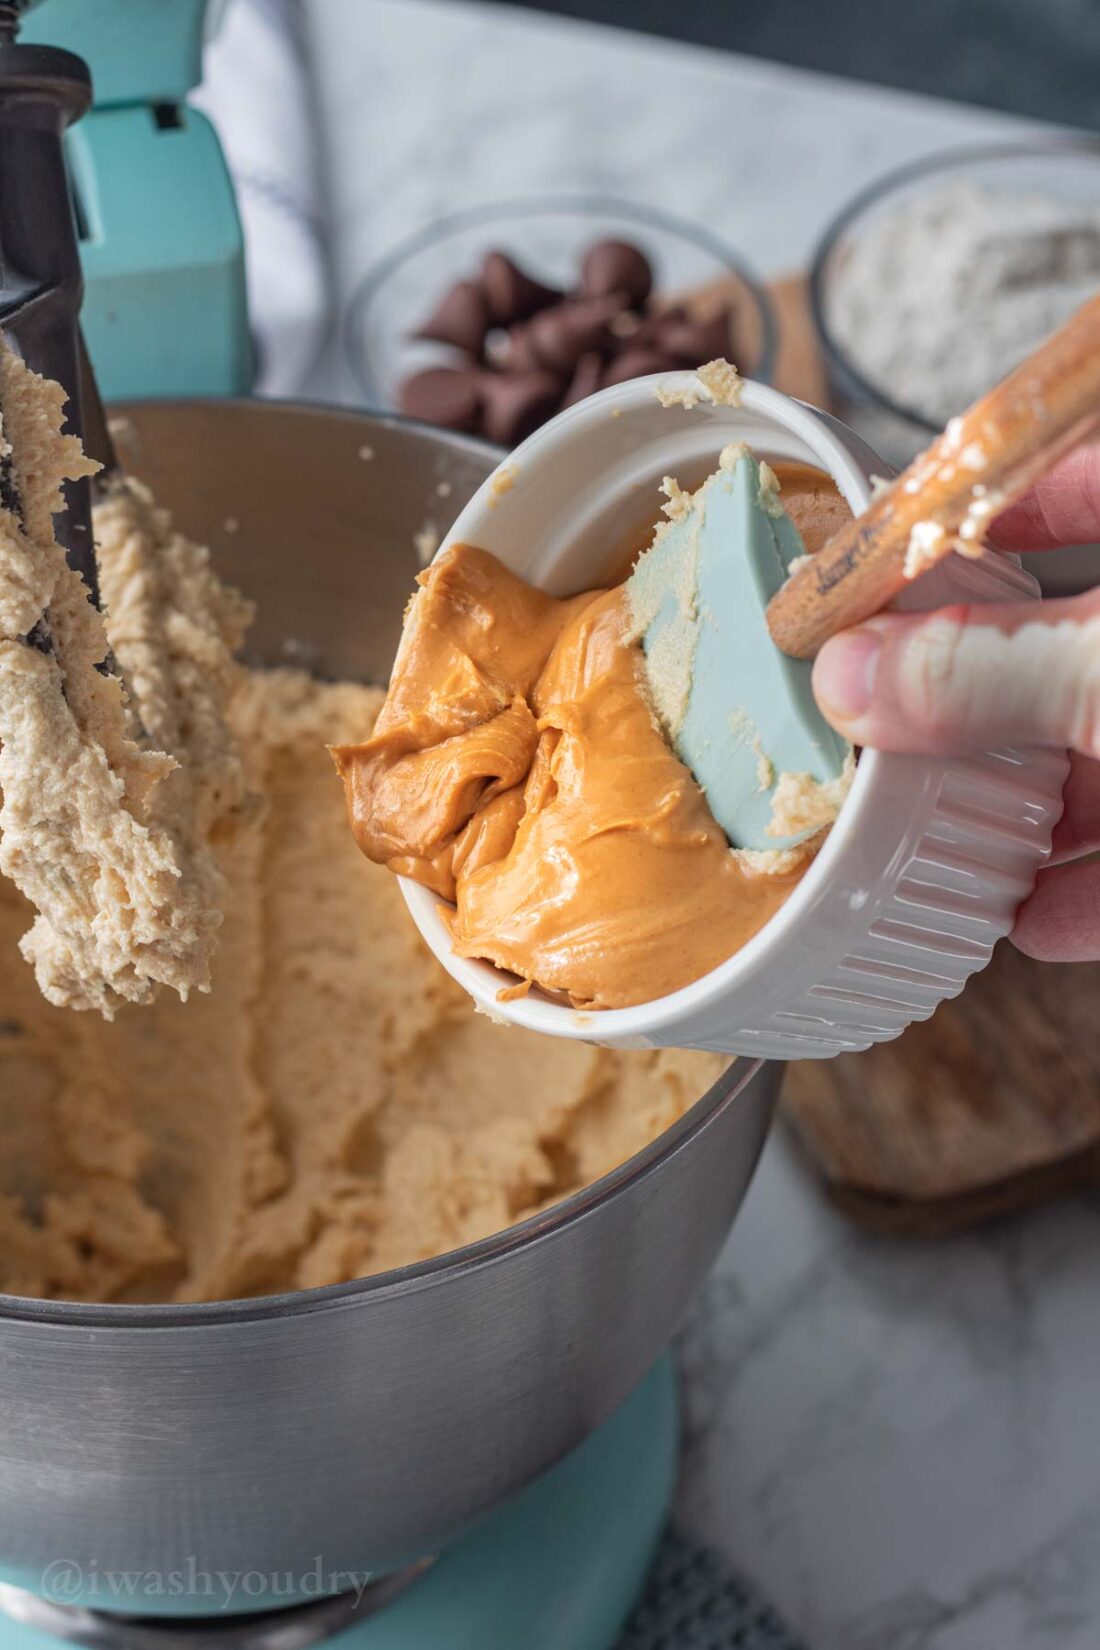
column 491, row 320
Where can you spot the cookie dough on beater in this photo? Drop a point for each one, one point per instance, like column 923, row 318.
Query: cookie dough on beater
column 112, row 794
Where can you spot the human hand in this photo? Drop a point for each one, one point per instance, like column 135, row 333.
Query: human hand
column 969, row 678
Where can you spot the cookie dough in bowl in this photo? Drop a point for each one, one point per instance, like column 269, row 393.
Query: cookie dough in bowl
column 332, row 1107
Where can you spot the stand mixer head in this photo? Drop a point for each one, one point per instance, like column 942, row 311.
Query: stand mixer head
column 140, row 154
column 159, row 233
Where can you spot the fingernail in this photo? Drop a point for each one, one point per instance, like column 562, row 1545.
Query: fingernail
column 844, row 674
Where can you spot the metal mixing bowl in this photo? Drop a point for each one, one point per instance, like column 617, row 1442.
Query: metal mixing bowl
column 368, row 1422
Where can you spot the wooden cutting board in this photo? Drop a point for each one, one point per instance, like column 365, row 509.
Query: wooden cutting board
column 992, row 1104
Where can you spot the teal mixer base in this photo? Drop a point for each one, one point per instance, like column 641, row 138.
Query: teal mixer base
column 558, row 1567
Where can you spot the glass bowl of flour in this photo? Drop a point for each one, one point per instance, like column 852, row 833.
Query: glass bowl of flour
column 937, row 280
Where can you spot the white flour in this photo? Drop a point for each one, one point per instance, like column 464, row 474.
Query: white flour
column 942, row 296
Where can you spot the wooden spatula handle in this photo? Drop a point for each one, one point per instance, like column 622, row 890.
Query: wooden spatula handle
column 983, row 461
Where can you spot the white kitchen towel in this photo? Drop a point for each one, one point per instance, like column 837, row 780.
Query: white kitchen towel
column 258, row 92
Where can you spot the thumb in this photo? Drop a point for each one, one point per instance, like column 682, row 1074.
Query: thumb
column 966, row 678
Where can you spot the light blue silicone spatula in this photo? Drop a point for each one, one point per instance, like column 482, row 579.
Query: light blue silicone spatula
column 738, row 712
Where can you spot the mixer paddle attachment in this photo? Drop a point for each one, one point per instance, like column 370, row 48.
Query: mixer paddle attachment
column 42, row 91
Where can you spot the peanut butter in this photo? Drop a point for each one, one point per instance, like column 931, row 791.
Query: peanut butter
column 518, row 771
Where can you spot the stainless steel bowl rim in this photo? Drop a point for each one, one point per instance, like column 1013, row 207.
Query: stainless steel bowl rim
column 489, row 212
column 325, row 409
column 945, row 160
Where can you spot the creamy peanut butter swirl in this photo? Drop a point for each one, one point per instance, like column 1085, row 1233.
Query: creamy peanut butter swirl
column 517, row 769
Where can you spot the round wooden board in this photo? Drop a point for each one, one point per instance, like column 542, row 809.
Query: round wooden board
column 992, row 1104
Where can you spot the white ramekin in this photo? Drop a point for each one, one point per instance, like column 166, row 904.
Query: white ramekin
column 924, row 870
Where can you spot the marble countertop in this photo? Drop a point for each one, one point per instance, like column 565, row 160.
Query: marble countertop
column 897, row 1442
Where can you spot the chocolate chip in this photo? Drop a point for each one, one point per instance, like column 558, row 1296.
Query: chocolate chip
column 450, row 396
column 511, row 294
column 587, row 379
column 695, row 341
column 536, row 350
column 616, row 266
column 560, row 336
column 514, row 404
column 462, row 319
column 639, row 363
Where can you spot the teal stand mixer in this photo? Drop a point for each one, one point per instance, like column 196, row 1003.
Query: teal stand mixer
column 557, row 1566
column 160, row 239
